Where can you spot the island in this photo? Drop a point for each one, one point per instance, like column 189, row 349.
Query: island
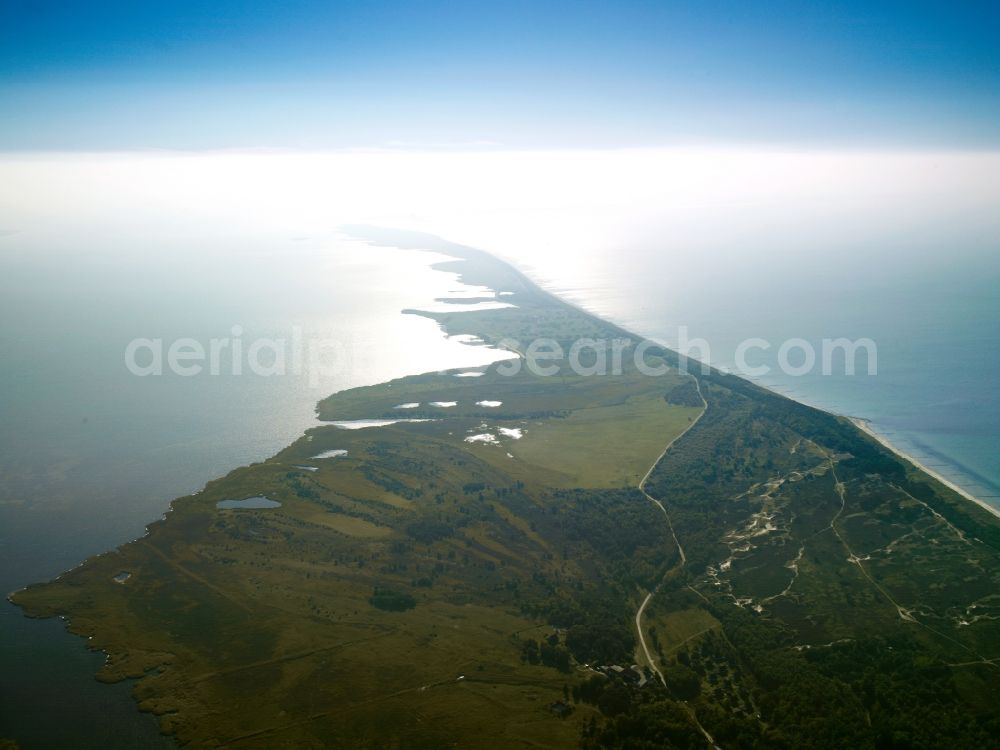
column 632, row 551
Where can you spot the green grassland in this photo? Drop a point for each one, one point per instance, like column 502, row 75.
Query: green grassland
column 809, row 589
column 604, row 446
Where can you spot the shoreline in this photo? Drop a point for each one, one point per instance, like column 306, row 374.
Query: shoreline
column 75, row 674
column 865, row 426
column 862, row 423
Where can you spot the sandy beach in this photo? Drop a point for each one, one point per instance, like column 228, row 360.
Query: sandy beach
column 865, row 427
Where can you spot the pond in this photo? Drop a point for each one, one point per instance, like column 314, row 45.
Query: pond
column 251, row 502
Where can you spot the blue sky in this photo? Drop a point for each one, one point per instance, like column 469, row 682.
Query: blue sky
column 266, row 74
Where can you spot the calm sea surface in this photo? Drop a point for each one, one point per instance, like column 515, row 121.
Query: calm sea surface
column 935, row 394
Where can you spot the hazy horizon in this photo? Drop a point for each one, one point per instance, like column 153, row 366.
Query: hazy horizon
column 728, row 243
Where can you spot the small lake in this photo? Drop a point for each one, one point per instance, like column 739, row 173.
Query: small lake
column 249, row 503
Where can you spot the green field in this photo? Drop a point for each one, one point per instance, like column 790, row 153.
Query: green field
column 604, row 446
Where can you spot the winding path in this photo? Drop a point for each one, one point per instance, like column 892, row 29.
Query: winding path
column 658, row 504
column 682, row 562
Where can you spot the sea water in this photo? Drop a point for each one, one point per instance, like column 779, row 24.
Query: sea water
column 90, row 452
column 933, row 319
